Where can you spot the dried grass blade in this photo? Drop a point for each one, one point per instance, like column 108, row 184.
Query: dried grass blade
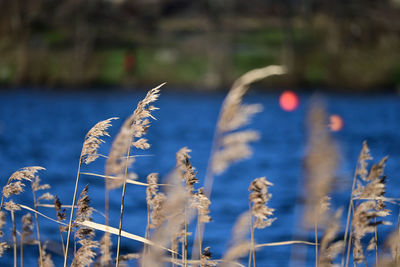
column 115, row 231
column 41, row 214
column 284, row 243
column 129, row 181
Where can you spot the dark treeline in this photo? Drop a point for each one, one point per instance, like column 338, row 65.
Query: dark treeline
column 338, row 44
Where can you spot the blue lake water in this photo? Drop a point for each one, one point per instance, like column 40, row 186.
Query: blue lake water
column 47, row 129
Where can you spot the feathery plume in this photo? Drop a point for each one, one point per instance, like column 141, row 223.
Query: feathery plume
column 105, row 253
column 27, row 173
column 134, row 127
column 370, row 186
column 11, row 206
column 364, row 222
column 46, row 258
column 61, row 212
column 202, row 204
column 36, row 186
column 185, row 168
column 46, row 196
column 259, row 198
column 85, row 254
column 329, row 249
column 392, row 243
column 93, row 140
column 234, row 114
column 155, row 201
column 320, row 165
column 234, row 147
column 27, row 227
column 15, row 183
column 230, row 144
column 240, row 246
column 177, row 197
column 363, row 159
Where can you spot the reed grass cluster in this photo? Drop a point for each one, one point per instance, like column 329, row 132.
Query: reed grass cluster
column 179, row 201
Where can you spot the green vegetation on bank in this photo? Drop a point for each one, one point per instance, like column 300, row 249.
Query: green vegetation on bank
column 195, row 45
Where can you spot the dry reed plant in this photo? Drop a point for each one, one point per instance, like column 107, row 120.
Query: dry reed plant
column 231, row 142
column 240, row 245
column 258, row 200
column 176, row 200
column 362, row 172
column 370, row 205
column 320, row 165
column 84, row 256
column 134, row 127
column 61, row 217
column 15, row 184
column 392, row 243
column 329, row 249
column 367, row 213
column 89, row 153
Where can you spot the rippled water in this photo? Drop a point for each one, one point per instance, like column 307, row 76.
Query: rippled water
column 47, row 129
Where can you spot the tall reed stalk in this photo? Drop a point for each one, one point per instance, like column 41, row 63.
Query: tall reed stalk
column 230, row 144
column 119, row 159
column 88, row 154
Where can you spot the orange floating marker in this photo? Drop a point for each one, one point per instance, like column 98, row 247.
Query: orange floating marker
column 335, row 123
column 289, row 101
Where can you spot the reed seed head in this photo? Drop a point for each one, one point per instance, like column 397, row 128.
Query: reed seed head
column 93, row 140
column 11, row 206
column 27, row 226
column 329, row 249
column 134, row 127
column 259, row 198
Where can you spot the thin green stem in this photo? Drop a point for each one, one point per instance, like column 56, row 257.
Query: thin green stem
column 72, row 211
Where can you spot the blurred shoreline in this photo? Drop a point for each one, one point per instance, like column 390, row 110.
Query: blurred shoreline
column 208, row 44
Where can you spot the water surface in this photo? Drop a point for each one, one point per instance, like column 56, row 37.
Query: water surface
column 47, row 129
